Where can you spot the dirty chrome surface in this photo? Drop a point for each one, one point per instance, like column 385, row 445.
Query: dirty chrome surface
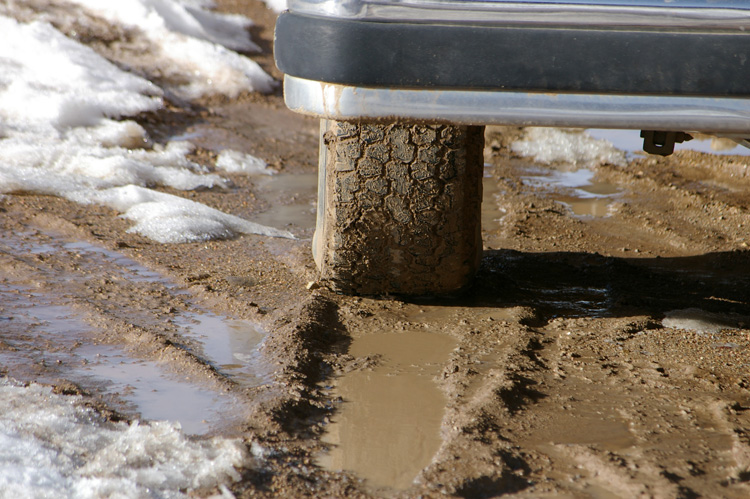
column 645, row 14
column 726, row 116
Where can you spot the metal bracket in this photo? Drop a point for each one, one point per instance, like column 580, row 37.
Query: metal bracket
column 662, row 143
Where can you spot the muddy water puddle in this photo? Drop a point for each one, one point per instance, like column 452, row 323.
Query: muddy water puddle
column 151, row 390
column 388, row 426
column 46, row 338
column 572, row 301
column 104, row 261
column 230, row 345
column 58, row 338
column 36, row 331
column 577, row 189
column 293, row 197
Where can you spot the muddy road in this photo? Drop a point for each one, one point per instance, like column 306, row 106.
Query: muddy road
column 602, row 351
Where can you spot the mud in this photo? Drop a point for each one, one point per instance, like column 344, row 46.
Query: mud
column 387, row 427
column 603, row 355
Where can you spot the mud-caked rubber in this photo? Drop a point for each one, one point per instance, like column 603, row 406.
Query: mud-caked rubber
column 401, row 207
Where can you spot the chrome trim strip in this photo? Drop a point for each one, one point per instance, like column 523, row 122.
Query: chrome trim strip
column 647, row 14
column 690, row 114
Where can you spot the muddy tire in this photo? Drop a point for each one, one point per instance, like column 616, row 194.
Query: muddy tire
column 399, row 207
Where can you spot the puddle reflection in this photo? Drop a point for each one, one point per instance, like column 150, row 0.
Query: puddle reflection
column 230, row 345
column 698, row 321
column 58, row 337
column 388, row 428
column 154, row 392
column 293, row 199
column 573, row 301
column 577, row 189
column 46, row 339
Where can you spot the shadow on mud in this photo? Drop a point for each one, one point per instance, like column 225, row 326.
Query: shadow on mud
column 565, row 284
column 486, row 487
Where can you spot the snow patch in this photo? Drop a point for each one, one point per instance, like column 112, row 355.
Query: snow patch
column 58, row 167
column 277, row 6
column 49, row 82
column 569, row 146
column 192, row 41
column 53, row 446
column 237, row 162
column 59, row 101
column 166, row 218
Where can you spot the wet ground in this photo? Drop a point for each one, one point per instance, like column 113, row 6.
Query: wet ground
column 603, row 350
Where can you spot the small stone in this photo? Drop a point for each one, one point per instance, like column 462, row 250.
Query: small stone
column 313, row 285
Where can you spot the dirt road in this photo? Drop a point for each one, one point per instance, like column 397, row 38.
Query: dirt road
column 596, row 355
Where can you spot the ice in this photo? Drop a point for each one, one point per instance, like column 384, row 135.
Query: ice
column 573, row 147
column 53, row 446
column 237, row 162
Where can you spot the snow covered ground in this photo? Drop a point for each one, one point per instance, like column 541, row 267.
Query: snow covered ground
column 66, row 130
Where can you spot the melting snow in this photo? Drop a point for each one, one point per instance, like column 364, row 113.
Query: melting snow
column 276, row 5
column 171, row 219
column 52, row 84
column 237, row 162
column 52, row 446
column 60, row 102
column 192, row 41
column 574, row 147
